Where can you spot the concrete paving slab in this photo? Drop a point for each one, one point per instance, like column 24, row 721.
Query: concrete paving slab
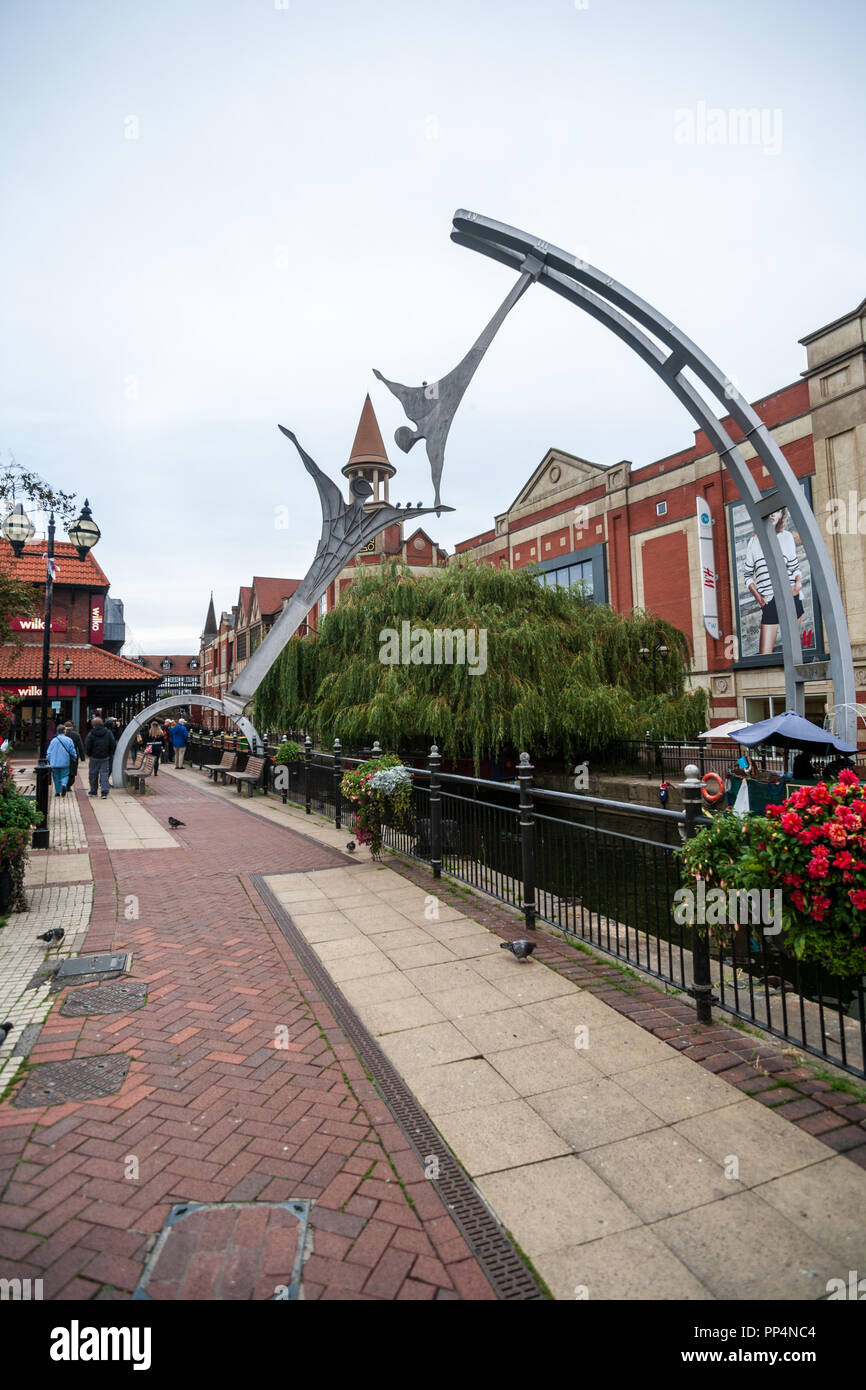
column 595, row 1112
column 396, row 1015
column 632, row 1264
column 548, row 1203
column 826, row 1203
column 357, row 966
column 378, row 989
column 506, row 1135
column 493, row 1033
column 543, row 1066
column 742, row 1249
column 620, row 1046
column 659, row 1174
column 579, row 1009
column 480, row 998
column 765, row 1145
column 460, row 1086
column 671, row 1088
column 416, row 1048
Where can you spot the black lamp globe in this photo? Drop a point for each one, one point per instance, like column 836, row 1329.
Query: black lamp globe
column 18, row 529
column 84, row 533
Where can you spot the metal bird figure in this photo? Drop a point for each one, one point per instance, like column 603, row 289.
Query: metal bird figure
column 522, row 949
column 431, row 407
column 5, row 1030
column 351, row 846
column 55, row 934
column 175, row 823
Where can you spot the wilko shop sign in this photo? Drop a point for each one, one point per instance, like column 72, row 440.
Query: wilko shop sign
column 97, row 619
column 33, row 692
column 37, row 625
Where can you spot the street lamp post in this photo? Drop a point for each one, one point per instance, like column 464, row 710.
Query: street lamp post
column 659, row 651
column 84, row 533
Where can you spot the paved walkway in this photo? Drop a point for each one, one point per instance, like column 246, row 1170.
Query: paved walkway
column 240, row 1088
column 623, row 1169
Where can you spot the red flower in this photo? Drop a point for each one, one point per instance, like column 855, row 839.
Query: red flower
column 789, row 879
column 858, row 898
column 843, row 860
column 848, row 777
column 817, row 868
column 791, row 821
column 798, row 900
column 836, row 835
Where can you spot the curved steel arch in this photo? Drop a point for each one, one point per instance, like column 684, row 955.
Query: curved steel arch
column 612, row 304
column 171, row 702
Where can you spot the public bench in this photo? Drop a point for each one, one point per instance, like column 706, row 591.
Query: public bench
column 227, row 763
column 252, row 777
column 137, row 775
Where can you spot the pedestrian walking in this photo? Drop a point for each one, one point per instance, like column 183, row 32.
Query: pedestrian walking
column 61, row 751
column 168, row 756
column 156, row 743
column 73, row 733
column 179, row 740
column 100, row 746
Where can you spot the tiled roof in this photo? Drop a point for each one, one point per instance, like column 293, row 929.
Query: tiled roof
column 88, row 664
column 368, row 446
column 179, row 664
column 70, row 570
column 271, row 592
column 244, row 599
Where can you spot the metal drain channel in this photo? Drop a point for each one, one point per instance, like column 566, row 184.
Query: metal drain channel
column 508, row 1275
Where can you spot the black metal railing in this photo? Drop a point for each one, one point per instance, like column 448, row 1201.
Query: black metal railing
column 604, row 872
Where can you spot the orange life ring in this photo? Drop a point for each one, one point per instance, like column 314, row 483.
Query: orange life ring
column 712, row 776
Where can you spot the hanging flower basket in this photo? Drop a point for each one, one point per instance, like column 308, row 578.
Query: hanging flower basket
column 380, row 793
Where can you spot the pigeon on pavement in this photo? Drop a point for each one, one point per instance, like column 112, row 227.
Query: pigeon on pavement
column 5, row 1030
column 55, row 934
column 175, row 823
column 522, row 949
column 351, row 846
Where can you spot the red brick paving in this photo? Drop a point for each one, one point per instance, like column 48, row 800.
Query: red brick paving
column 212, row 1110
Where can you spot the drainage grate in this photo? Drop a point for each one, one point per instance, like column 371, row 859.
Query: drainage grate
column 90, row 1078
column 507, row 1273
column 263, row 1251
column 122, row 997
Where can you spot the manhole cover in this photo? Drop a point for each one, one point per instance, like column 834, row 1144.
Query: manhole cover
column 229, row 1250
column 121, row 997
column 53, row 1083
column 93, row 965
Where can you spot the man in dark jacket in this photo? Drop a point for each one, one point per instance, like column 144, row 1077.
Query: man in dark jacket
column 100, row 747
column 72, row 732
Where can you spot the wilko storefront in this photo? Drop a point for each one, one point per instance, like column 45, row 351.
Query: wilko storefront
column 84, row 677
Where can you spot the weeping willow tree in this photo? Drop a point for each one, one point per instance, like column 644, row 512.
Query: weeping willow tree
column 562, row 673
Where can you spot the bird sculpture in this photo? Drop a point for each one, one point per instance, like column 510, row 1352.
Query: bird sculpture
column 56, row 934
column 5, row 1030
column 174, row 823
column 522, row 949
column 431, row 406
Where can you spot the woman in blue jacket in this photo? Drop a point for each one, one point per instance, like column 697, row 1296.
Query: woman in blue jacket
column 61, row 751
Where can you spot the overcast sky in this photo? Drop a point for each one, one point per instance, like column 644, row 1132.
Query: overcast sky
column 221, row 214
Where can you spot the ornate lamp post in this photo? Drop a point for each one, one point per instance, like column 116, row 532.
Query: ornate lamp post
column 659, row 651
column 84, row 533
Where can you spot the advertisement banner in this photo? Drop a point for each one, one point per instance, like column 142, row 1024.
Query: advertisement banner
column 97, row 619
column 37, row 624
column 709, row 578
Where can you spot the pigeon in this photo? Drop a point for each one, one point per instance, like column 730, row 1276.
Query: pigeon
column 351, row 846
column 175, row 823
column 55, row 934
column 5, row 1030
column 521, row 949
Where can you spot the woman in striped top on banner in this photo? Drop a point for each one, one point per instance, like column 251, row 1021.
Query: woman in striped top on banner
column 758, row 583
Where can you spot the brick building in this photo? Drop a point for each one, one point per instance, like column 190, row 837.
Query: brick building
column 86, row 674
column 630, row 533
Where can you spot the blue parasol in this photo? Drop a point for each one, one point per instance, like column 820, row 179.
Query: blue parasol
column 790, row 730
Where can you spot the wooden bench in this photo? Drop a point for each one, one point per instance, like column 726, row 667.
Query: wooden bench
column 227, row 763
column 252, row 777
column 137, row 775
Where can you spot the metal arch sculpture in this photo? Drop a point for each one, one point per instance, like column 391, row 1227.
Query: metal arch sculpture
column 612, row 304
column 346, row 529
column 172, row 702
